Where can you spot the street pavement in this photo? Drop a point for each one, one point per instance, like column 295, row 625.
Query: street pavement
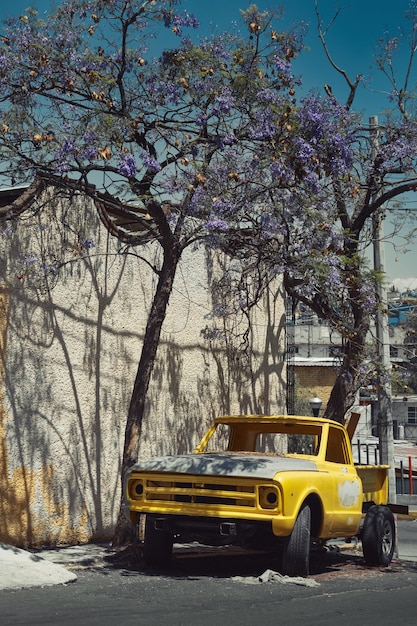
column 21, row 569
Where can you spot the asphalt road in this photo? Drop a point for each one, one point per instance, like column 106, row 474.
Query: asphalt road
column 222, row 588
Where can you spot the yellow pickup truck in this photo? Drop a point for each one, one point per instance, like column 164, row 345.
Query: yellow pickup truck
column 277, row 482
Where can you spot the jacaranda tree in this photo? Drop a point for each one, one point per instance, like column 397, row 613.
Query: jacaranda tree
column 367, row 168
column 210, row 139
column 188, row 134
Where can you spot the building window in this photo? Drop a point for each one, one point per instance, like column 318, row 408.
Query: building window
column 393, row 352
column 412, row 415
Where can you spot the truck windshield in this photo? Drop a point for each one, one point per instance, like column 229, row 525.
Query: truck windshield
column 266, row 438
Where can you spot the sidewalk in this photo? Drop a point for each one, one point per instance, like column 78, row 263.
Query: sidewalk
column 20, row 569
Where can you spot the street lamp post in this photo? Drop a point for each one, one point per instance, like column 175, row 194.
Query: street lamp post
column 315, row 405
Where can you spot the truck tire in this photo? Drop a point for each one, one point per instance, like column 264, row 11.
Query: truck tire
column 296, row 554
column 157, row 549
column 378, row 536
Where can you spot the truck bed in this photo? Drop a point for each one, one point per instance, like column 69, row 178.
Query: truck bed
column 374, row 483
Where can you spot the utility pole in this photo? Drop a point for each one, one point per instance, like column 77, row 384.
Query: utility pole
column 384, row 404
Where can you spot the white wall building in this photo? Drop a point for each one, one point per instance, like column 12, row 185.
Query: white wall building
column 69, row 353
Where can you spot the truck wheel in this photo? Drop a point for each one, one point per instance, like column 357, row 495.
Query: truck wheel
column 378, row 536
column 296, row 554
column 157, row 549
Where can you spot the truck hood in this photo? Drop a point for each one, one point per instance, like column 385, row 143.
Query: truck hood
column 226, row 464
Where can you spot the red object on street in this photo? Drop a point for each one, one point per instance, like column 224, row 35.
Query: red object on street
column 410, row 474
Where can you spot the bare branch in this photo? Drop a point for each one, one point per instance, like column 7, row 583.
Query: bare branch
column 353, row 85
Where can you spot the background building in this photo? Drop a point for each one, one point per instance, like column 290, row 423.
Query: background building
column 312, row 359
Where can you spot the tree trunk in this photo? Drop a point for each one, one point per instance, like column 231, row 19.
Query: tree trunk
column 125, row 531
column 348, row 380
column 342, row 396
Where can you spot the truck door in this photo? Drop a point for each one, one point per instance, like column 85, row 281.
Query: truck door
column 347, row 488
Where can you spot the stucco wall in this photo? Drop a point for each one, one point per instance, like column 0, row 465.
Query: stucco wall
column 69, row 354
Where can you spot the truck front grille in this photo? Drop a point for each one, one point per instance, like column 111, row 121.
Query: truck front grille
column 194, row 491
column 201, row 495
column 200, row 492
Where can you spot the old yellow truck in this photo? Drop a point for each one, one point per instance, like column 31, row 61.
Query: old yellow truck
column 276, row 482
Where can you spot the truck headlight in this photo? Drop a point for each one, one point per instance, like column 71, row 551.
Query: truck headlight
column 268, row 497
column 136, row 489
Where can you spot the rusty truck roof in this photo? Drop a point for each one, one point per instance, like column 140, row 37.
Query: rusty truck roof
column 265, row 419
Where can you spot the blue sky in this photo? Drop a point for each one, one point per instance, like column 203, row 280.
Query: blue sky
column 352, row 41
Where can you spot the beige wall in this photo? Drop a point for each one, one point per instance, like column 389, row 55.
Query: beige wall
column 68, row 361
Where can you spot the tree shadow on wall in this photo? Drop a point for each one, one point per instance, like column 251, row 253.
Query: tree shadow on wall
column 66, row 401
column 208, row 379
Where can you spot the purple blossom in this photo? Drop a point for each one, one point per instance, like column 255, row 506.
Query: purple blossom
column 404, row 376
column 215, row 223
column 225, row 141
column 62, row 167
column 219, row 310
column 269, row 96
column 399, row 148
column 368, row 294
column 252, row 14
column 393, row 95
column 223, row 102
column 220, row 51
column 89, row 243
column 90, row 153
column 313, row 182
column 305, row 150
column 333, row 278
column 223, row 208
column 325, row 133
column 283, row 66
column 162, row 90
column 278, row 170
column 269, row 226
column 66, row 150
column 50, row 269
column 197, row 201
column 228, row 140
column 150, row 162
column 178, row 21
column 31, row 260
column 4, row 63
column 265, row 126
column 186, row 19
column 67, row 147
column 201, row 119
column 216, row 48
column 127, row 165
